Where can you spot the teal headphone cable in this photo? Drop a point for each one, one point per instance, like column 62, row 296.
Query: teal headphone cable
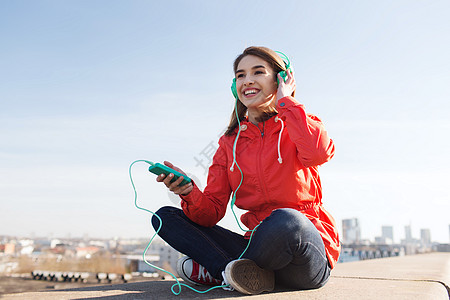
column 233, row 199
column 283, row 74
column 178, row 283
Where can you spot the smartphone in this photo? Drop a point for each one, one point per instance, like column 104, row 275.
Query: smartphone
column 162, row 169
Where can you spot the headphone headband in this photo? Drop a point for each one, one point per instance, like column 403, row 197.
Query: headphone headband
column 285, row 59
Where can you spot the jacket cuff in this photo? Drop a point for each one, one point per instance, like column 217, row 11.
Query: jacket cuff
column 189, row 198
column 286, row 103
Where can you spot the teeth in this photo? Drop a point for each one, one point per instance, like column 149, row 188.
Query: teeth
column 248, row 92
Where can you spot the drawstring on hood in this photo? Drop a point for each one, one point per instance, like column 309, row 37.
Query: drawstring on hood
column 244, row 127
column 280, row 159
column 241, row 127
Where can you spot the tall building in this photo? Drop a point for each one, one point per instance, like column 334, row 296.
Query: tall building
column 351, row 231
column 425, row 237
column 387, row 233
column 408, row 236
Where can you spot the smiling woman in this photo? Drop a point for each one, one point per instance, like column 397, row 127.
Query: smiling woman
column 276, row 148
column 256, row 70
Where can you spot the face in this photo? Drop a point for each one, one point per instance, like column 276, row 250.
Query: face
column 255, row 83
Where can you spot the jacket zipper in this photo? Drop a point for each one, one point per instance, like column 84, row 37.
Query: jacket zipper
column 260, row 173
column 262, row 131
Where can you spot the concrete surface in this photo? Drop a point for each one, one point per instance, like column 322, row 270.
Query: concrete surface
column 425, row 276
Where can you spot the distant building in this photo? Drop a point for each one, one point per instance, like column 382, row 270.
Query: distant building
column 168, row 256
column 387, row 232
column 425, row 237
column 387, row 236
column 27, row 250
column 408, row 235
column 442, row 247
column 351, row 231
column 379, row 240
column 159, row 254
column 54, row 243
column 411, row 244
column 10, row 249
column 86, row 252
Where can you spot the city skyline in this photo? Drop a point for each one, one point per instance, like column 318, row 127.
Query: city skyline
column 86, row 88
column 407, row 234
column 351, row 233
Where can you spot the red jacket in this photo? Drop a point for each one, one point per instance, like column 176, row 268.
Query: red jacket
column 302, row 145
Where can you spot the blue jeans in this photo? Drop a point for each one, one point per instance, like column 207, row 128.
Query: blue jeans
column 285, row 242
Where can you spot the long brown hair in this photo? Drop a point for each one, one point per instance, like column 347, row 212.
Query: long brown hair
column 277, row 64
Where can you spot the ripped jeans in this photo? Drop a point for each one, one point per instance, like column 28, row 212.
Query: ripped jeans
column 285, row 242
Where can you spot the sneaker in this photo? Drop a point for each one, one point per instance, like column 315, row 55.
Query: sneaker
column 194, row 273
column 246, row 277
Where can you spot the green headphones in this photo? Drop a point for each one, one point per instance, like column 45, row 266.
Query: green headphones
column 283, row 74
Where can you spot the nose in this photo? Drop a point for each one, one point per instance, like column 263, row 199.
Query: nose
column 248, row 81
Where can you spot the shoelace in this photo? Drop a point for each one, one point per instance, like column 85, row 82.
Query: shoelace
column 225, row 284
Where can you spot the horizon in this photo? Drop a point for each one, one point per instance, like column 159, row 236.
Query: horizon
column 87, row 236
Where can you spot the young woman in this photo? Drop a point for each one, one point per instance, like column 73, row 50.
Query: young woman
column 278, row 147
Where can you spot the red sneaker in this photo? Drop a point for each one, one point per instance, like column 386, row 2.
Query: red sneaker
column 196, row 274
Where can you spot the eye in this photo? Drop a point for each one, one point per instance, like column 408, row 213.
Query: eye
column 259, row 72
column 240, row 75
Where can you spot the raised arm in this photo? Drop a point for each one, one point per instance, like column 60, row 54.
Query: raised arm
column 314, row 146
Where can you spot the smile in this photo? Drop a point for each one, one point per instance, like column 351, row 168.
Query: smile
column 250, row 92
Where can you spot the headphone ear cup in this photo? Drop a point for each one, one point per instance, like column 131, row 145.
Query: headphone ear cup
column 283, row 75
column 233, row 89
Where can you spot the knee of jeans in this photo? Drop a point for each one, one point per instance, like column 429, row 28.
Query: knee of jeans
column 291, row 218
column 161, row 213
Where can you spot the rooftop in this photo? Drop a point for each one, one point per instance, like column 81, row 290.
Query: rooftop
column 424, row 276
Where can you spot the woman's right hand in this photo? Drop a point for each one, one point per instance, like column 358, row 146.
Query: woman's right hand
column 175, row 186
column 285, row 88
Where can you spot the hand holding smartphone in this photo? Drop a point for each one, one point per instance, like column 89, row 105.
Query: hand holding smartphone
column 162, row 169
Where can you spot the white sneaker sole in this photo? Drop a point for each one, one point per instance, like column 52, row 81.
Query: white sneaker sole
column 246, row 277
column 180, row 271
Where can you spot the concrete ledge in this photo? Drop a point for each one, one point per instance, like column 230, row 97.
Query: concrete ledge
column 424, row 276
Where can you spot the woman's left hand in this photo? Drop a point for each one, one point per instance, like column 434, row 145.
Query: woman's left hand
column 285, row 88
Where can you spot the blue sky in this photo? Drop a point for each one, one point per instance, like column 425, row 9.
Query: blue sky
column 87, row 87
